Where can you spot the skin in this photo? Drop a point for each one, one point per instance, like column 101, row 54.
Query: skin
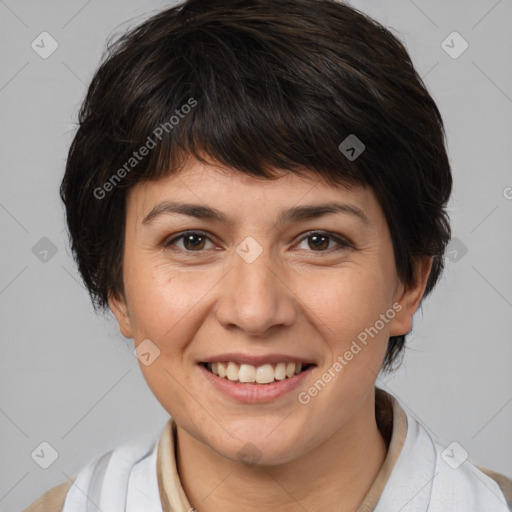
column 295, row 298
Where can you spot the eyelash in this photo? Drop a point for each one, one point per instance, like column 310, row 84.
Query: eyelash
column 343, row 245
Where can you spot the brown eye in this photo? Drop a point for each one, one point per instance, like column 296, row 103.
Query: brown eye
column 193, row 241
column 320, row 241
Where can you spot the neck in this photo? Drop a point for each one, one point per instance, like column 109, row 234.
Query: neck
column 336, row 475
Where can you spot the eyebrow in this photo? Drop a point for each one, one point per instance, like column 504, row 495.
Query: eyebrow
column 294, row 214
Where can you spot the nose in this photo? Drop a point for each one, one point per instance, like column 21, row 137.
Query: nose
column 254, row 297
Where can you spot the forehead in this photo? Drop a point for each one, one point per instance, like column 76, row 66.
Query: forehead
column 237, row 193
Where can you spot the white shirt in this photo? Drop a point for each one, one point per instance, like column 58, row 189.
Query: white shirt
column 418, row 475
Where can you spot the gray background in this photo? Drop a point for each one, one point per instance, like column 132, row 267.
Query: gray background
column 68, row 377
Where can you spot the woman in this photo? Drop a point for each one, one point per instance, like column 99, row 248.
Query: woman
column 257, row 191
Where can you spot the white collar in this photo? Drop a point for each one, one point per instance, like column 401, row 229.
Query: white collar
column 127, row 480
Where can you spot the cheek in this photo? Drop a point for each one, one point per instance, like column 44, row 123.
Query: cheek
column 344, row 303
column 165, row 309
column 348, row 309
column 165, row 302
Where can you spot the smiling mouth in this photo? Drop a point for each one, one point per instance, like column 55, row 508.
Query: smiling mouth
column 249, row 374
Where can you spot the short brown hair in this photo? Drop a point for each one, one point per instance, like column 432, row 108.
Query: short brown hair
column 276, row 85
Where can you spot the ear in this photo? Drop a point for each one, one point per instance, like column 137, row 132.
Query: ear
column 119, row 308
column 409, row 297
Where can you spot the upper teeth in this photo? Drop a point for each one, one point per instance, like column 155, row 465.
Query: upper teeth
column 263, row 374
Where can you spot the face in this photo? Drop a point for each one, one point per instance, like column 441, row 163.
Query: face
column 252, row 282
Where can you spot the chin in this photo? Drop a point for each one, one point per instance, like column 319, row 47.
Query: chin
column 258, row 443
column 257, row 454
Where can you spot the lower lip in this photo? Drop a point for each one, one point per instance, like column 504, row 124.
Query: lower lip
column 255, row 393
